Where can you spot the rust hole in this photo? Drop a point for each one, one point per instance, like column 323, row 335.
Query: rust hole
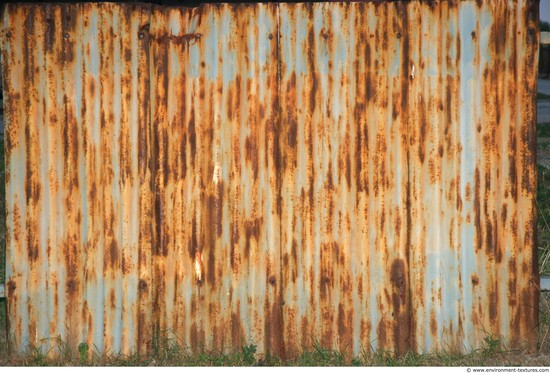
column 142, row 284
column 141, row 35
column 272, row 280
column 8, row 34
column 66, row 35
column 144, row 28
column 399, row 35
column 473, row 34
column 270, row 36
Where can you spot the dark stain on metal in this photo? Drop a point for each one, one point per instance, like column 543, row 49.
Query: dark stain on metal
column 211, row 271
column 400, row 302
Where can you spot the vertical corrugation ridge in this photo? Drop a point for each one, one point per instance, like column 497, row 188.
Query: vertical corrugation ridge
column 279, row 299
column 79, row 96
column 46, row 310
column 530, row 294
column 408, row 225
column 145, row 174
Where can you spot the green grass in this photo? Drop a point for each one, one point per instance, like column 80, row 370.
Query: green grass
column 543, row 132
column 543, row 210
column 169, row 353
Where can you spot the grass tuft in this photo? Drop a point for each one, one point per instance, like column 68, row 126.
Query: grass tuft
column 543, row 224
column 170, row 353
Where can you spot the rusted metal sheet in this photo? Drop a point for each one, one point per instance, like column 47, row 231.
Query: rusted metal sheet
column 216, row 252
column 344, row 176
column 408, row 174
column 472, row 173
column 356, row 174
column 77, row 119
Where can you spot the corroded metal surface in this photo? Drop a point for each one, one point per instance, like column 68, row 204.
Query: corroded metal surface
column 344, row 231
column 472, row 174
column 361, row 174
column 408, row 174
column 78, row 183
column 216, row 256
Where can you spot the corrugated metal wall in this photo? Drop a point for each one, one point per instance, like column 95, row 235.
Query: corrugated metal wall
column 344, row 84
column 214, row 145
column 358, row 174
column 472, row 173
column 76, row 81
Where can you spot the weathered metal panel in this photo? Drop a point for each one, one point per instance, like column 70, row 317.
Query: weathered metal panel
column 408, row 174
column 356, row 174
column 344, row 187
column 77, row 118
column 472, row 173
column 216, row 252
